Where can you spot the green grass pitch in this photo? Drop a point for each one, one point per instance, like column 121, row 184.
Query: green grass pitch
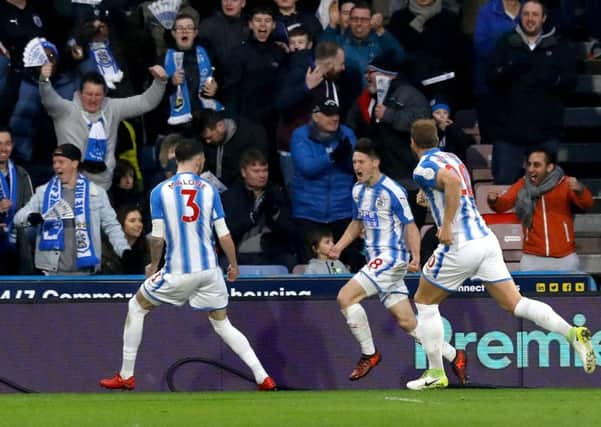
column 452, row 407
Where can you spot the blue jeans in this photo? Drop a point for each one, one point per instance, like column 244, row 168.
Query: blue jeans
column 508, row 159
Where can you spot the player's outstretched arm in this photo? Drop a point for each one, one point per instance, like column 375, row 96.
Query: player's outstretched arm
column 450, row 183
column 412, row 237
column 353, row 230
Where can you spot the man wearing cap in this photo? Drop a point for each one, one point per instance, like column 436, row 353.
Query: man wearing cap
column 323, row 177
column 90, row 121
column 71, row 211
column 384, row 113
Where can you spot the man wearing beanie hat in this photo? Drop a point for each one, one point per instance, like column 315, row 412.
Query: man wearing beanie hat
column 385, row 116
column 71, row 211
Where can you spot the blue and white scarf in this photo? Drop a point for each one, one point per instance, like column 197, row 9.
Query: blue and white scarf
column 96, row 146
column 105, row 63
column 9, row 191
column 53, row 230
column 181, row 109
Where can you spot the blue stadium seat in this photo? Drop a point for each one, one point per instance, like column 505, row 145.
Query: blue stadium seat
column 263, row 270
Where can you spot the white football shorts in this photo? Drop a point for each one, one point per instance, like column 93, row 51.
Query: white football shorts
column 204, row 290
column 450, row 266
column 380, row 276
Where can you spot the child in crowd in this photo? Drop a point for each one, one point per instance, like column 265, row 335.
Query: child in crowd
column 299, row 39
column 452, row 138
column 321, row 241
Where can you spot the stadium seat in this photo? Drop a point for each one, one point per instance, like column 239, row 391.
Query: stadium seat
column 510, row 236
column 299, row 269
column 513, row 266
column 479, row 162
column 481, row 189
column 263, row 270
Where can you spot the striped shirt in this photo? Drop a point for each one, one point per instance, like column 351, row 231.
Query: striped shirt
column 467, row 224
column 384, row 210
column 189, row 206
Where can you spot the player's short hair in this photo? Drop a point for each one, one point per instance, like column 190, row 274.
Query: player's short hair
column 252, row 155
column 315, row 235
column 425, row 133
column 187, row 149
column 325, row 50
column 550, row 156
column 298, row 32
column 367, row 147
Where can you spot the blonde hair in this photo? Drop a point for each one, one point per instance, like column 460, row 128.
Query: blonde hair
column 424, row 133
column 168, row 143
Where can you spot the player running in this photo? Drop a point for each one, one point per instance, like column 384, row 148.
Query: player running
column 467, row 249
column 184, row 210
column 381, row 210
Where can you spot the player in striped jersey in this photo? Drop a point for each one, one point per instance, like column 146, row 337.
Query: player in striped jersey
column 185, row 208
column 382, row 213
column 467, row 249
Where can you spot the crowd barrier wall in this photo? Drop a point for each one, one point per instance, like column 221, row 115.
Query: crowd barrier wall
column 63, row 334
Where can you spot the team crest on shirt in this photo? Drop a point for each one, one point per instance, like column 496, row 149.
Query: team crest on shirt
column 427, row 173
column 379, row 203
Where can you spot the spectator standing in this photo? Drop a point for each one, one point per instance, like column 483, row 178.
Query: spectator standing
column 90, row 121
column 323, row 178
column 191, row 86
column 361, row 44
column 15, row 191
column 249, row 81
column 71, row 211
column 289, row 17
column 545, row 200
column 530, row 71
column 385, row 117
column 224, row 140
column 495, row 18
column 223, row 32
column 431, row 37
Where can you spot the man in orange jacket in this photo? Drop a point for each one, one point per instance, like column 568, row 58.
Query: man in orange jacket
column 543, row 201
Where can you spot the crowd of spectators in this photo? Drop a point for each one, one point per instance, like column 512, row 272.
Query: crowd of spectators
column 277, row 91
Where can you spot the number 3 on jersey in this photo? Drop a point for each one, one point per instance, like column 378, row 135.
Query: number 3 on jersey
column 190, row 197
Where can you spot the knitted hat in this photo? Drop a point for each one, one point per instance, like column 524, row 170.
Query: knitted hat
column 384, row 64
column 440, row 103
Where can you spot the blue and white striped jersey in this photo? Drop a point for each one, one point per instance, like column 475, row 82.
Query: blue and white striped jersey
column 468, row 224
column 384, row 210
column 189, row 206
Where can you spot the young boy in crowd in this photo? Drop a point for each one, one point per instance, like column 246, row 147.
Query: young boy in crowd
column 321, row 241
column 299, row 39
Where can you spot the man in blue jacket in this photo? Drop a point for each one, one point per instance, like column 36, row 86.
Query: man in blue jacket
column 323, row 178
